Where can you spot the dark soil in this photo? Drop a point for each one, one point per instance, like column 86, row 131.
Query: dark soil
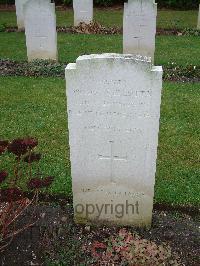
column 33, row 69
column 52, row 69
column 96, row 28
column 4, row 7
column 7, row 7
column 56, row 237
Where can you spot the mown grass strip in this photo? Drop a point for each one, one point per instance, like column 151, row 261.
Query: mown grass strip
column 182, row 50
column 37, row 107
column 170, row 19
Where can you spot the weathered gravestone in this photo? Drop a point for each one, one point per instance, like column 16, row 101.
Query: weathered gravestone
column 19, row 4
column 83, row 11
column 139, row 27
column 113, row 119
column 198, row 23
column 40, row 29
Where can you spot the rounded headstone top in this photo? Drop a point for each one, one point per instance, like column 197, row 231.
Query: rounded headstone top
column 136, row 58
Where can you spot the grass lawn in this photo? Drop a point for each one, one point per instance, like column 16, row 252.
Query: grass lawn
column 182, row 50
column 108, row 17
column 37, row 107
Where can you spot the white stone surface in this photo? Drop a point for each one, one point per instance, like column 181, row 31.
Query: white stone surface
column 198, row 23
column 83, row 11
column 113, row 120
column 139, row 27
column 19, row 13
column 40, row 29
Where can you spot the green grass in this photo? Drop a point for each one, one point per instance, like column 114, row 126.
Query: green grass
column 177, row 19
column 182, row 50
column 37, row 107
column 178, row 171
column 108, row 17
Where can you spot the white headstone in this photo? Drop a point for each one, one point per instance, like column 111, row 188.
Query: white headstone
column 83, row 11
column 198, row 24
column 139, row 27
column 113, row 120
column 19, row 12
column 40, row 29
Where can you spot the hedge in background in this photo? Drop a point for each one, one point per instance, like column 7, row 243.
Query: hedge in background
column 8, row 2
column 180, row 4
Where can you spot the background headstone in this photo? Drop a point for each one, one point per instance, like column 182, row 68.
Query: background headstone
column 198, row 23
column 19, row 13
column 83, row 11
column 40, row 29
column 113, row 120
column 139, row 27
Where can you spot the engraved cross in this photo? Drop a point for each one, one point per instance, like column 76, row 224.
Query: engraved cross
column 112, row 158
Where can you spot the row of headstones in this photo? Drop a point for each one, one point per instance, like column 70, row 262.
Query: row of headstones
column 38, row 16
column 83, row 12
column 113, row 104
column 39, row 20
column 139, row 27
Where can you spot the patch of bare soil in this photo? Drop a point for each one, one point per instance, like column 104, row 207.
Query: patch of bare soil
column 7, row 7
column 4, row 7
column 96, row 28
column 52, row 69
column 91, row 28
column 56, row 237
